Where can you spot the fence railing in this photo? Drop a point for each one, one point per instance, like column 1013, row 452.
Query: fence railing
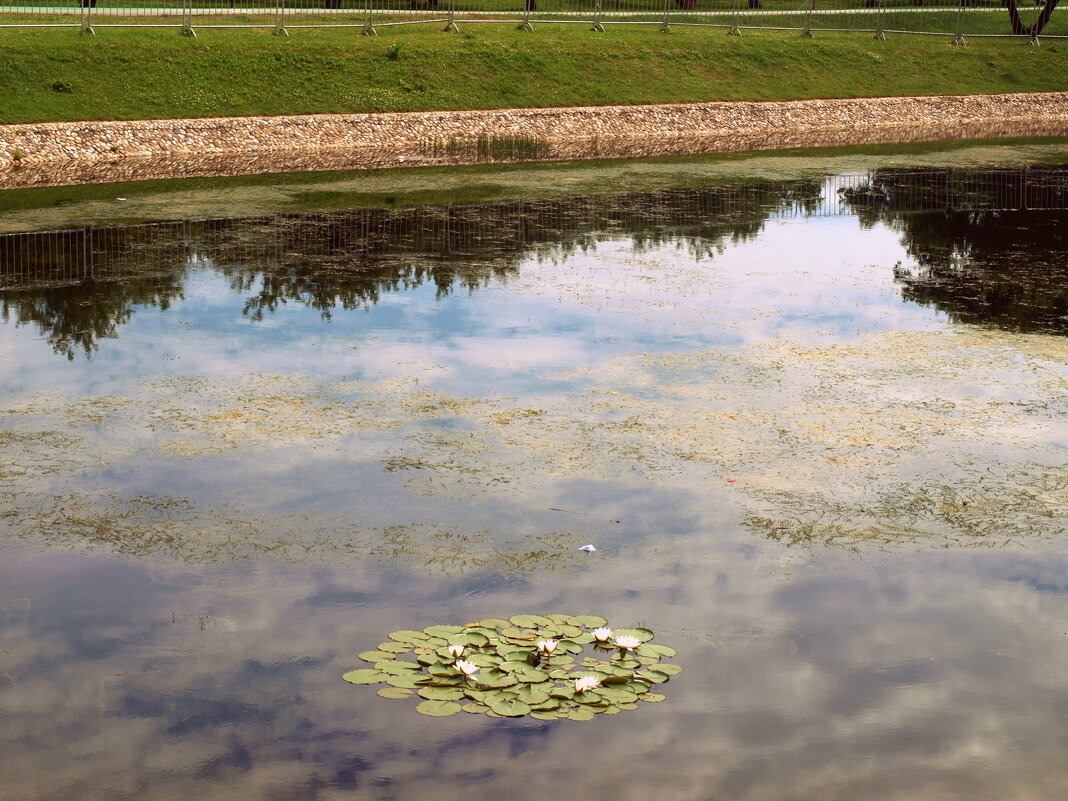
column 958, row 19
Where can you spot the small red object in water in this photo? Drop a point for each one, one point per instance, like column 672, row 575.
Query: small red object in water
column 731, row 480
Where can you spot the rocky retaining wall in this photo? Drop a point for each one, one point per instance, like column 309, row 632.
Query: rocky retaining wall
column 86, row 152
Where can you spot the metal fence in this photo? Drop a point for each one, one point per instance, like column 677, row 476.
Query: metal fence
column 958, row 19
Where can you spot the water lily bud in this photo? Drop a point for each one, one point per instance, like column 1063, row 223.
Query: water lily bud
column 456, row 651
column 547, row 646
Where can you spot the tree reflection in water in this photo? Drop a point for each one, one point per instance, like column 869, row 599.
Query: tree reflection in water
column 80, row 286
column 989, row 249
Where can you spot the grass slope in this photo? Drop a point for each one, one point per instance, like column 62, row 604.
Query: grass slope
column 122, row 74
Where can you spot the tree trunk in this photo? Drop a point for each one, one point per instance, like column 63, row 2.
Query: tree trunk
column 1018, row 28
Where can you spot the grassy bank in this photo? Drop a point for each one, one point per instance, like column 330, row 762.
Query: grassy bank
column 123, row 74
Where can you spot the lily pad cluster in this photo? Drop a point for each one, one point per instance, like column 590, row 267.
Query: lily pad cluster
column 545, row 666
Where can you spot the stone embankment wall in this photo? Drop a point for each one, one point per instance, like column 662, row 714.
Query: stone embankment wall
column 84, row 152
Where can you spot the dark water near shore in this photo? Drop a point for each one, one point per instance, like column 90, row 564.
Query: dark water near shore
column 815, row 428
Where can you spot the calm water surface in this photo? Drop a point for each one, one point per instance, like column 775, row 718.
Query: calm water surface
column 816, row 430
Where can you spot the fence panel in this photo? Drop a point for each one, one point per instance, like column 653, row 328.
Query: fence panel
column 38, row 13
column 231, row 13
column 140, row 13
column 323, row 13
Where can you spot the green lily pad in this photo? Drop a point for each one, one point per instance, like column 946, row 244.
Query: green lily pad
column 407, row 636
column 530, row 694
column 365, row 676
column 441, row 693
column 531, row 675
column 530, row 621
column 513, row 708
column 438, row 709
column 485, row 632
column 397, row 668
column 514, row 679
column 442, row 670
column 656, row 677
column 375, row 656
column 581, row 714
column 498, row 681
column 615, row 695
column 395, row 692
column 405, row 680
column 514, row 667
column 516, row 633
column 588, row 621
column 440, row 631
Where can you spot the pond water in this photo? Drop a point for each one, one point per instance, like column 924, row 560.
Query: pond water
column 816, row 429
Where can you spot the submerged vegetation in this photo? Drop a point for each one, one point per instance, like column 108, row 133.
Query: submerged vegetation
column 526, row 665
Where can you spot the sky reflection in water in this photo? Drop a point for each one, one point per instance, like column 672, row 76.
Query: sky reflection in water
column 330, row 475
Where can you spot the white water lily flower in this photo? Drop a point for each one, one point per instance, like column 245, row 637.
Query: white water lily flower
column 628, row 643
column 586, row 683
column 547, row 646
column 456, row 651
column 602, row 634
column 467, row 668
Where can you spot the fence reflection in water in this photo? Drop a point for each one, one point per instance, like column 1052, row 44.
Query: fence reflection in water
column 352, row 237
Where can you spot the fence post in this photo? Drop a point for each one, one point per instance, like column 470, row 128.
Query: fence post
column 450, row 26
column 880, row 20
column 368, row 18
column 665, row 27
column 280, row 18
column 734, row 29
column 959, row 38
column 187, row 18
column 525, row 25
column 87, row 18
column 807, row 32
column 597, row 13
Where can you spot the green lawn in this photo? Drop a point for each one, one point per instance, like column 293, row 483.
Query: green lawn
column 56, row 74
